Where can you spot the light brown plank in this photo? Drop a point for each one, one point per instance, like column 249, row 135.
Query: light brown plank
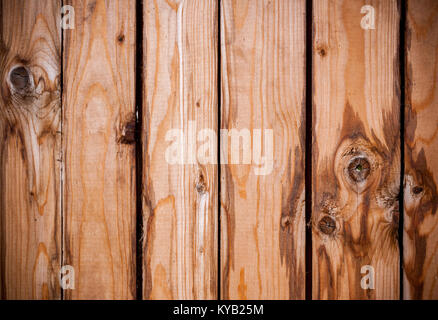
column 30, row 66
column 98, row 143
column 263, row 87
column 179, row 201
column 421, row 152
column 356, row 150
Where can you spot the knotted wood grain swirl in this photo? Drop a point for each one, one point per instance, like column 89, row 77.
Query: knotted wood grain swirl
column 420, row 263
column 30, row 148
column 356, row 151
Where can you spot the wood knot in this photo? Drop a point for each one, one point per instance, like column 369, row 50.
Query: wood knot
column 327, row 225
column 285, row 222
column 20, row 78
column 359, row 169
column 128, row 132
column 417, row 190
column 121, row 38
column 200, row 184
column 322, row 51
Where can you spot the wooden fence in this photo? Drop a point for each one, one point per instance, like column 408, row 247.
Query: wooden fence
column 94, row 96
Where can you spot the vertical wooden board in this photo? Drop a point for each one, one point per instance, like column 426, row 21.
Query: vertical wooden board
column 30, row 66
column 99, row 149
column 180, row 194
column 421, row 152
column 356, row 151
column 262, row 207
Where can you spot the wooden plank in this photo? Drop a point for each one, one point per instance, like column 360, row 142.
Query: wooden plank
column 263, row 88
column 356, row 151
column 99, row 149
column 421, row 152
column 30, row 66
column 180, row 195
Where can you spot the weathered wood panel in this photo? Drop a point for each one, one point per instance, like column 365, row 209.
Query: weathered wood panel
column 98, row 145
column 180, row 176
column 421, row 152
column 30, row 66
column 262, row 206
column 356, row 150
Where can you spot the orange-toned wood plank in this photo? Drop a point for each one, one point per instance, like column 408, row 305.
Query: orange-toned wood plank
column 420, row 263
column 180, row 199
column 99, row 149
column 30, row 149
column 356, row 150
column 262, row 206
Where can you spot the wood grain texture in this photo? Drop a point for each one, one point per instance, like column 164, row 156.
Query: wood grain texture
column 421, row 152
column 98, row 143
column 179, row 200
column 30, row 60
column 263, row 87
column 356, row 150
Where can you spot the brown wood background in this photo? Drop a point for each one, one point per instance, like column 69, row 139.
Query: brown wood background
column 84, row 118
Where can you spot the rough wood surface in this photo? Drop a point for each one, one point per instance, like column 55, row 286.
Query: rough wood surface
column 68, row 164
column 30, row 66
column 421, row 152
column 179, row 200
column 263, row 87
column 356, row 150
column 98, row 145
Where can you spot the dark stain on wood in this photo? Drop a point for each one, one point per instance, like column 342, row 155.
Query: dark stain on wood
column 327, row 280
column 92, row 6
column 292, row 211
